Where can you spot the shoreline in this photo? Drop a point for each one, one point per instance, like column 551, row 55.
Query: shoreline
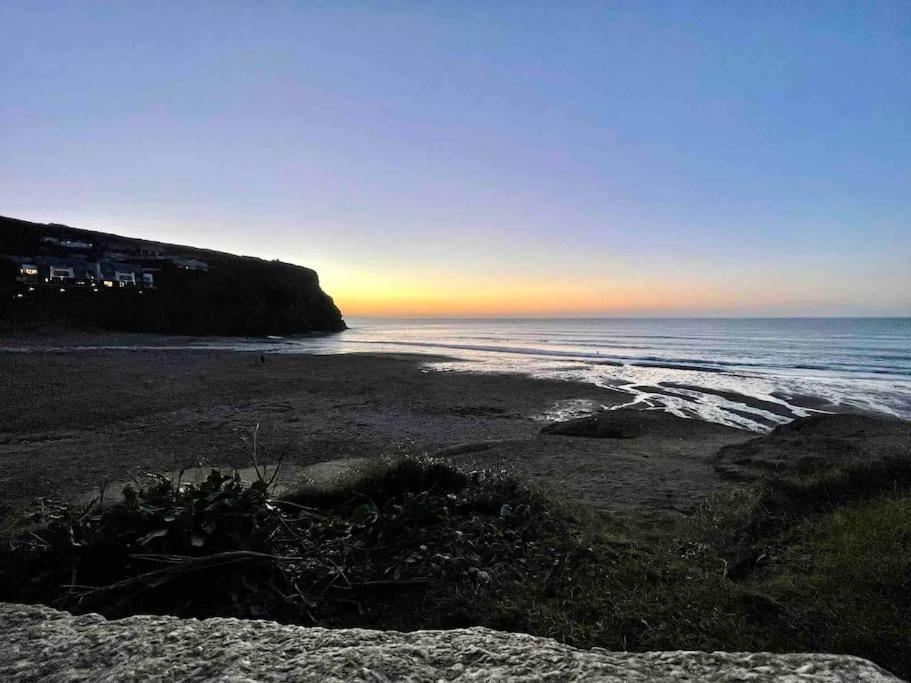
column 693, row 395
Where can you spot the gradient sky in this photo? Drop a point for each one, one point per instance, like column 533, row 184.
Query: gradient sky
column 489, row 158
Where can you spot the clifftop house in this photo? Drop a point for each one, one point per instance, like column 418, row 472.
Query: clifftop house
column 67, row 257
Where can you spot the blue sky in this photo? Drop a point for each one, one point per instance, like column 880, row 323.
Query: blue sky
column 484, row 158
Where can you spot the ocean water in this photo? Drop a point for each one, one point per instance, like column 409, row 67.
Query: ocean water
column 752, row 373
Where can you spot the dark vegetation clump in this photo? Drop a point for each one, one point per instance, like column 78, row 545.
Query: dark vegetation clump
column 818, row 561
column 373, row 555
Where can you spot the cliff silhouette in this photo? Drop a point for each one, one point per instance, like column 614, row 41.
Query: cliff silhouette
column 60, row 275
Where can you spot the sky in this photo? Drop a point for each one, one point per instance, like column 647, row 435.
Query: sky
column 484, row 158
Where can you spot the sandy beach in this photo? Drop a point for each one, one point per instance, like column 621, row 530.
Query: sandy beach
column 73, row 421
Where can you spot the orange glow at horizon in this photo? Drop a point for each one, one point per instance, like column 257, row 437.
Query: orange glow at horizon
column 440, row 297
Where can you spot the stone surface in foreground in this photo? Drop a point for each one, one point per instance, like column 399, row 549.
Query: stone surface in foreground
column 43, row 644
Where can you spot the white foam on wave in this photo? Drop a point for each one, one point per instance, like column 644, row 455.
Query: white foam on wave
column 836, row 393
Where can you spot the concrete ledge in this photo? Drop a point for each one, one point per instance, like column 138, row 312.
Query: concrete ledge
column 42, row 644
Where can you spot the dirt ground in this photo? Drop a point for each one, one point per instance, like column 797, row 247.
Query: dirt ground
column 71, row 421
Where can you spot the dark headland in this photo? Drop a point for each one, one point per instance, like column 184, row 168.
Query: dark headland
column 60, row 276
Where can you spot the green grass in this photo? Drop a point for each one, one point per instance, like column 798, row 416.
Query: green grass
column 846, row 578
column 820, row 563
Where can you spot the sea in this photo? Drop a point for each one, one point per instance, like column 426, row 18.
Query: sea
column 746, row 372
column 751, row 373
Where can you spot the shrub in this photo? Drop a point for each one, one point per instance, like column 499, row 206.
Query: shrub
column 221, row 547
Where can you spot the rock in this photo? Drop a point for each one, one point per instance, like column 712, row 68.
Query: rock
column 604, row 425
column 43, row 644
column 627, row 423
column 811, row 444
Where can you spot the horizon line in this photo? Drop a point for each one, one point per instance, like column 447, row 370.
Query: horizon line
column 631, row 317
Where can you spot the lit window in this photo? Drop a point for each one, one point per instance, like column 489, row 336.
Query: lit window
column 61, row 273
